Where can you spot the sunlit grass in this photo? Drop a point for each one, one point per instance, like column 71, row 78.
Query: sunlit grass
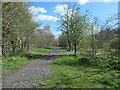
column 16, row 62
column 69, row 71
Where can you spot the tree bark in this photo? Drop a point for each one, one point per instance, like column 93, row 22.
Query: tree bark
column 69, row 45
column 75, row 49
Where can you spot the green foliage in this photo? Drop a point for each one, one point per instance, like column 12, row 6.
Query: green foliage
column 114, row 63
column 105, row 79
column 84, row 61
column 37, row 53
column 16, row 62
column 114, row 43
column 63, row 41
column 20, row 32
column 47, row 39
column 74, row 25
column 18, row 28
column 70, row 71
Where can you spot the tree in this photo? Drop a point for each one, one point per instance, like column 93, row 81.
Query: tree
column 65, row 24
column 47, row 39
column 74, row 25
column 63, row 41
column 94, row 26
column 18, row 28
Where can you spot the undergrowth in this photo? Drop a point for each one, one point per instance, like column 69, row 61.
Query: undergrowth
column 17, row 61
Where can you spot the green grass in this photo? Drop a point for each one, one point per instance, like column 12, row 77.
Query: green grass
column 69, row 71
column 36, row 53
column 16, row 62
column 64, row 48
column 102, row 51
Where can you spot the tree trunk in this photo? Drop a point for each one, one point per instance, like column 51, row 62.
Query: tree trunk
column 75, row 49
column 69, row 45
column 93, row 45
column 3, row 52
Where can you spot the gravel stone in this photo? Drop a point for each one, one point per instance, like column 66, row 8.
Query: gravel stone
column 29, row 75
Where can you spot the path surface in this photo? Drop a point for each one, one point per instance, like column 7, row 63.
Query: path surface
column 29, row 75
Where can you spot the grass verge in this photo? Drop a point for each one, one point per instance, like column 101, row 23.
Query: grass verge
column 16, row 62
column 69, row 71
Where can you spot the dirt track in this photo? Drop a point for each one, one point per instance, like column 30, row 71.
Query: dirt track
column 29, row 75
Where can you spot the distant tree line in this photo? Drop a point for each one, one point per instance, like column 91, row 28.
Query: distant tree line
column 20, row 32
column 45, row 38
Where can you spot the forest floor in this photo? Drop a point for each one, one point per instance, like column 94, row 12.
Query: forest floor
column 29, row 75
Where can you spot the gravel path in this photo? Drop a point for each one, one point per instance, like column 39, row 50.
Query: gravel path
column 28, row 76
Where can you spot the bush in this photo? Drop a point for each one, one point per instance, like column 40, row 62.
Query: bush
column 115, row 64
column 84, row 61
column 104, row 79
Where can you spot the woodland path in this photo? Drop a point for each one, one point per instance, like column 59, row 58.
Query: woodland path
column 29, row 75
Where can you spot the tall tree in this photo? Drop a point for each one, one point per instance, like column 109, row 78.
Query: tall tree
column 74, row 24
column 18, row 28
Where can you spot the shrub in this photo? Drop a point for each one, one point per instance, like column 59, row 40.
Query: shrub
column 84, row 61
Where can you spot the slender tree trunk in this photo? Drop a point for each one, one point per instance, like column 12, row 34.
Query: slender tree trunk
column 3, row 52
column 75, row 48
column 118, row 44
column 69, row 45
column 92, row 45
column 100, row 39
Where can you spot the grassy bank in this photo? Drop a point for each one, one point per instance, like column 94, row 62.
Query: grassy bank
column 69, row 71
column 16, row 62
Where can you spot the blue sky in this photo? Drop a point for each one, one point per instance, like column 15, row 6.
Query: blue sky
column 46, row 12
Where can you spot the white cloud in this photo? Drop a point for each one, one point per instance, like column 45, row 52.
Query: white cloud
column 111, row 0
column 36, row 10
column 41, row 27
column 83, row 2
column 37, row 16
column 62, row 10
column 107, row 0
column 41, row 17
